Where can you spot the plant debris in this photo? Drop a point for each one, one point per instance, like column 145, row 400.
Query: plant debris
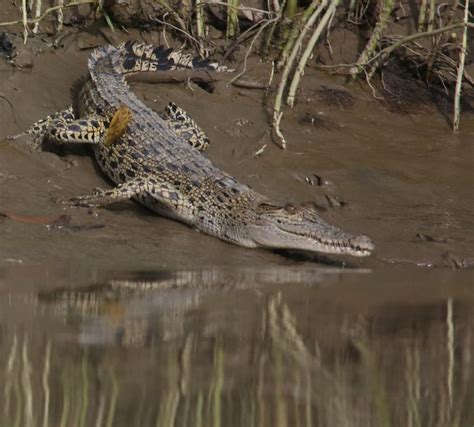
column 37, row 219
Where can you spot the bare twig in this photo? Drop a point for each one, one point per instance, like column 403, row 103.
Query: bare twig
column 260, row 151
column 241, row 8
column 244, row 69
column 186, row 33
column 242, row 38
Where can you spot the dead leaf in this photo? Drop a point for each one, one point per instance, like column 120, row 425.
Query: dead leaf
column 35, row 219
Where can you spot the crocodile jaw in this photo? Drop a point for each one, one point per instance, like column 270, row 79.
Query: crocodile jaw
column 334, row 241
column 300, row 227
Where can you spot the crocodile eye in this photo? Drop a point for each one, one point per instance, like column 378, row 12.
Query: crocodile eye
column 291, row 209
column 268, row 207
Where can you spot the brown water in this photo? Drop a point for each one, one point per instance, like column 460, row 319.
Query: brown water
column 120, row 317
column 267, row 347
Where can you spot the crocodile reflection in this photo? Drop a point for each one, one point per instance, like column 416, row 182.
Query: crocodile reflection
column 138, row 311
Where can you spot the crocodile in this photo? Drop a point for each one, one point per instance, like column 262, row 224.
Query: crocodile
column 157, row 159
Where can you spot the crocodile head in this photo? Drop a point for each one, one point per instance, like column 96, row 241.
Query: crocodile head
column 300, row 227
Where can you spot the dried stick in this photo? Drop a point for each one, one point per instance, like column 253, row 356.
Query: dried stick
column 462, row 58
column 309, row 50
column 240, row 7
column 180, row 30
column 249, row 50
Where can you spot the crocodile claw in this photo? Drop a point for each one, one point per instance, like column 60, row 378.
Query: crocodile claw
column 34, row 142
column 80, row 202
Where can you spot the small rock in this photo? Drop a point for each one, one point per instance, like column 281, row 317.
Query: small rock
column 334, row 202
column 24, row 57
column 318, row 121
column 86, row 42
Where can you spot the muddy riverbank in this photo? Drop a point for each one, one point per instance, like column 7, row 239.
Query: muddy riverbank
column 403, row 179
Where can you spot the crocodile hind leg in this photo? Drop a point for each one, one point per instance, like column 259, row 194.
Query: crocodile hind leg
column 164, row 195
column 185, row 126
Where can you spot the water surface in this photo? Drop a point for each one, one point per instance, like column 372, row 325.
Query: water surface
column 235, row 347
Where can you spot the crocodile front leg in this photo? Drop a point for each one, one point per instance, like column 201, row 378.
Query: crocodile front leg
column 41, row 126
column 39, row 129
column 63, row 128
column 151, row 190
column 89, row 130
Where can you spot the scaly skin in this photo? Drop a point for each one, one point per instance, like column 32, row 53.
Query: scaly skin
column 152, row 160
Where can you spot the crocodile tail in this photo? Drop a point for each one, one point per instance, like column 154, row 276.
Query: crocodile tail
column 134, row 57
column 101, row 58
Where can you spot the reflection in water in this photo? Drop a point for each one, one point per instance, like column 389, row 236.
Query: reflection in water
column 224, row 348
